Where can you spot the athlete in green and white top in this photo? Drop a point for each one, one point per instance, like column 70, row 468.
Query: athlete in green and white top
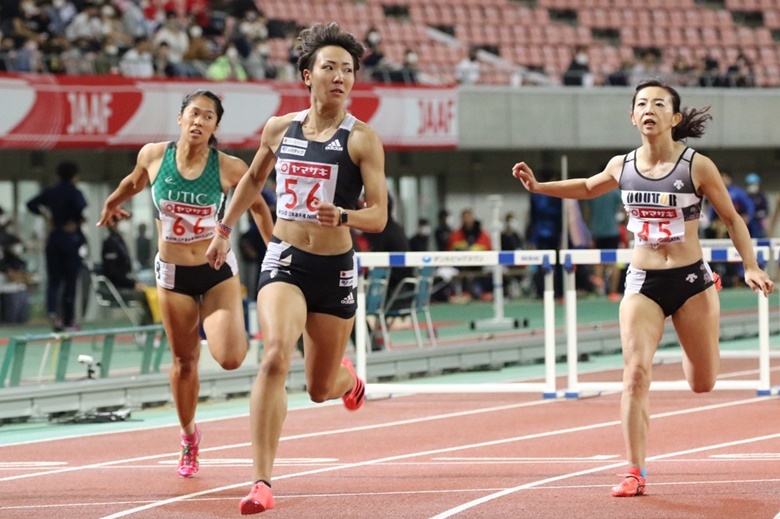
column 189, row 180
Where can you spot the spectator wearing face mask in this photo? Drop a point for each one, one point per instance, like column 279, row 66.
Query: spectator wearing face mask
column 138, row 61
column 421, row 241
column 409, row 67
column 227, row 67
column 175, row 36
column 757, row 223
column 578, row 73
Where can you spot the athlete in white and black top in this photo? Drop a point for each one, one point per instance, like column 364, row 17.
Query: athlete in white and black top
column 323, row 157
column 662, row 184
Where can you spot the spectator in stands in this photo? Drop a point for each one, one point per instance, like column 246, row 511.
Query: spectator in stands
column 174, row 35
column 7, row 54
column 308, row 279
column 60, row 14
column 117, row 265
column 470, row 236
column 443, row 230
column 107, row 59
column 134, row 23
column 163, row 66
column 251, row 28
column 376, row 65
column 258, row 63
column 544, row 232
column 62, row 206
column 15, row 298
column 391, row 239
column 198, row 48
column 467, row 71
column 138, row 61
column 622, row 76
column 757, row 224
column 79, row 58
column 740, row 73
column 421, row 241
column 510, row 234
column 648, row 66
column 710, row 72
column 578, row 72
column 112, row 27
column 86, row 26
column 409, row 67
column 372, row 39
column 190, row 292
column 28, row 58
column 601, row 215
column 667, row 275
column 143, row 248
column 684, row 73
column 730, row 273
column 227, row 67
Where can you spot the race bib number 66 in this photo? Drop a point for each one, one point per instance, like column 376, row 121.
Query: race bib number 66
column 185, row 223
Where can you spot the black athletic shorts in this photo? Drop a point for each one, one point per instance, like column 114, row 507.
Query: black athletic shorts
column 329, row 283
column 193, row 281
column 670, row 288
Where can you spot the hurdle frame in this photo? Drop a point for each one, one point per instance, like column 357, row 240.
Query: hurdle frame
column 571, row 257
column 544, row 259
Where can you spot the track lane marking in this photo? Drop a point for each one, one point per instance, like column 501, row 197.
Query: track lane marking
column 490, row 443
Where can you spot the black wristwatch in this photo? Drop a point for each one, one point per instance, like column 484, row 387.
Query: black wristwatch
column 344, row 216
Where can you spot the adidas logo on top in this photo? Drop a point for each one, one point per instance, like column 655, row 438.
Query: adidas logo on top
column 334, row 146
column 348, row 300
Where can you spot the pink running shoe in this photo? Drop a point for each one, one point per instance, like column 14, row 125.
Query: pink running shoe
column 189, row 460
column 259, row 500
column 632, row 485
column 354, row 399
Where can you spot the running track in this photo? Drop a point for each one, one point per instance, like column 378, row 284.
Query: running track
column 465, row 456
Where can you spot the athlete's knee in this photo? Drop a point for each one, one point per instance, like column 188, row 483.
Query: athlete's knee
column 232, row 361
column 276, row 359
column 636, row 379
column 702, row 384
column 185, row 366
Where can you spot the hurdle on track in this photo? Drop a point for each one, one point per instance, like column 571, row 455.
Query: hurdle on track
column 543, row 258
column 570, row 258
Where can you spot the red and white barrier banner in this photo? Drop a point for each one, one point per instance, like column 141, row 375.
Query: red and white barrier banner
column 46, row 111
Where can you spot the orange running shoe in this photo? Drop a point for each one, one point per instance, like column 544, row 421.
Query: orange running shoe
column 259, row 500
column 354, row 399
column 632, row 485
column 189, row 461
column 717, row 281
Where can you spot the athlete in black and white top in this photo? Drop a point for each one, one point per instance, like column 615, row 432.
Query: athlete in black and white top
column 323, row 158
column 662, row 185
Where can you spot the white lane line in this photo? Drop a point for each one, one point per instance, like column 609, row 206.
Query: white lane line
column 505, row 492
column 443, row 450
column 410, row 421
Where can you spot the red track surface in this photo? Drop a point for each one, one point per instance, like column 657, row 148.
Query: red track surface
column 710, row 456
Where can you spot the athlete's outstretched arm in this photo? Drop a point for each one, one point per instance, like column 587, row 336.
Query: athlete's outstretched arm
column 130, row 186
column 576, row 188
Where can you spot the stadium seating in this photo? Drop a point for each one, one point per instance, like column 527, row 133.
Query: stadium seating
column 542, row 34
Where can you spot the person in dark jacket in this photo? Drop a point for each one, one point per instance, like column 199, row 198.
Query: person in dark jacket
column 62, row 205
column 117, row 266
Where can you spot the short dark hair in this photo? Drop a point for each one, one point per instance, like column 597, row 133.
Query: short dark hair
column 67, row 170
column 217, row 107
column 318, row 36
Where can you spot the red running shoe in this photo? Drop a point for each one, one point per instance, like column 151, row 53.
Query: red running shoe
column 717, row 281
column 354, row 399
column 632, row 485
column 259, row 500
column 189, row 461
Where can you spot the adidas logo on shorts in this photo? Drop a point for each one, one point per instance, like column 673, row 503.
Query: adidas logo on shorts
column 348, row 300
column 334, row 146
